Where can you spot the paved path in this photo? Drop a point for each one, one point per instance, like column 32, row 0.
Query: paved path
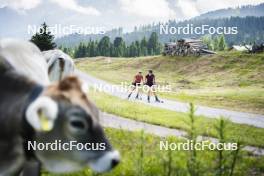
column 113, row 121
column 256, row 120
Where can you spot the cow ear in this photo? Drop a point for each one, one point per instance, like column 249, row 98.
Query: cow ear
column 42, row 113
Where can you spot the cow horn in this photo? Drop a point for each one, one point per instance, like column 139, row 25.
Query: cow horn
column 42, row 113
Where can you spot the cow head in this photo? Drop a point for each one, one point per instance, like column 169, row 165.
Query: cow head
column 63, row 113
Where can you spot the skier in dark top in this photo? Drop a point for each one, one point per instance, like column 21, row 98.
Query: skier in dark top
column 150, row 82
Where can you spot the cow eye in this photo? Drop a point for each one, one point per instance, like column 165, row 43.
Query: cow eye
column 78, row 124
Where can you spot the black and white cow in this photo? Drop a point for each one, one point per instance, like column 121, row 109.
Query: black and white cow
column 32, row 109
column 60, row 64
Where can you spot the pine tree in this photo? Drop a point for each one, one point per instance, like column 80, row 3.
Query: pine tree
column 92, row 49
column 215, row 43
column 43, row 39
column 221, row 43
column 132, row 50
column 153, row 44
column 119, row 47
column 138, row 49
column 104, row 46
column 144, row 47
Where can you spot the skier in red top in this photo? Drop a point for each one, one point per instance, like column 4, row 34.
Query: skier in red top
column 138, row 80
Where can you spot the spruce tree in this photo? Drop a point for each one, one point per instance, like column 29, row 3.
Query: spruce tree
column 43, row 39
column 153, row 44
column 215, row 43
column 221, row 43
column 144, row 47
column 119, row 47
column 104, row 46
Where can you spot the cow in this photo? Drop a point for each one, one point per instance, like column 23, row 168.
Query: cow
column 60, row 64
column 33, row 109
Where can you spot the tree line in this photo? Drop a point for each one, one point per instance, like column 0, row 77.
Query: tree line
column 104, row 47
column 117, row 48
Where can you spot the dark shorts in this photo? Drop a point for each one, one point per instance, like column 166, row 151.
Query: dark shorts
column 149, row 84
column 136, row 84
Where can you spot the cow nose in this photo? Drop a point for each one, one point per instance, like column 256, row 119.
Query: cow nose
column 115, row 162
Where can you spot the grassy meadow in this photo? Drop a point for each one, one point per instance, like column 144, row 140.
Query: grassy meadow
column 229, row 80
column 205, row 126
column 141, row 156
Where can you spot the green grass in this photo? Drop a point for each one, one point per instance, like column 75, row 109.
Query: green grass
column 141, row 156
column 230, row 80
column 227, row 80
column 240, row 99
column 141, row 112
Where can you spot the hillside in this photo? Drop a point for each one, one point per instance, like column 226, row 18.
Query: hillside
column 250, row 29
column 232, row 80
column 243, row 11
column 248, row 19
